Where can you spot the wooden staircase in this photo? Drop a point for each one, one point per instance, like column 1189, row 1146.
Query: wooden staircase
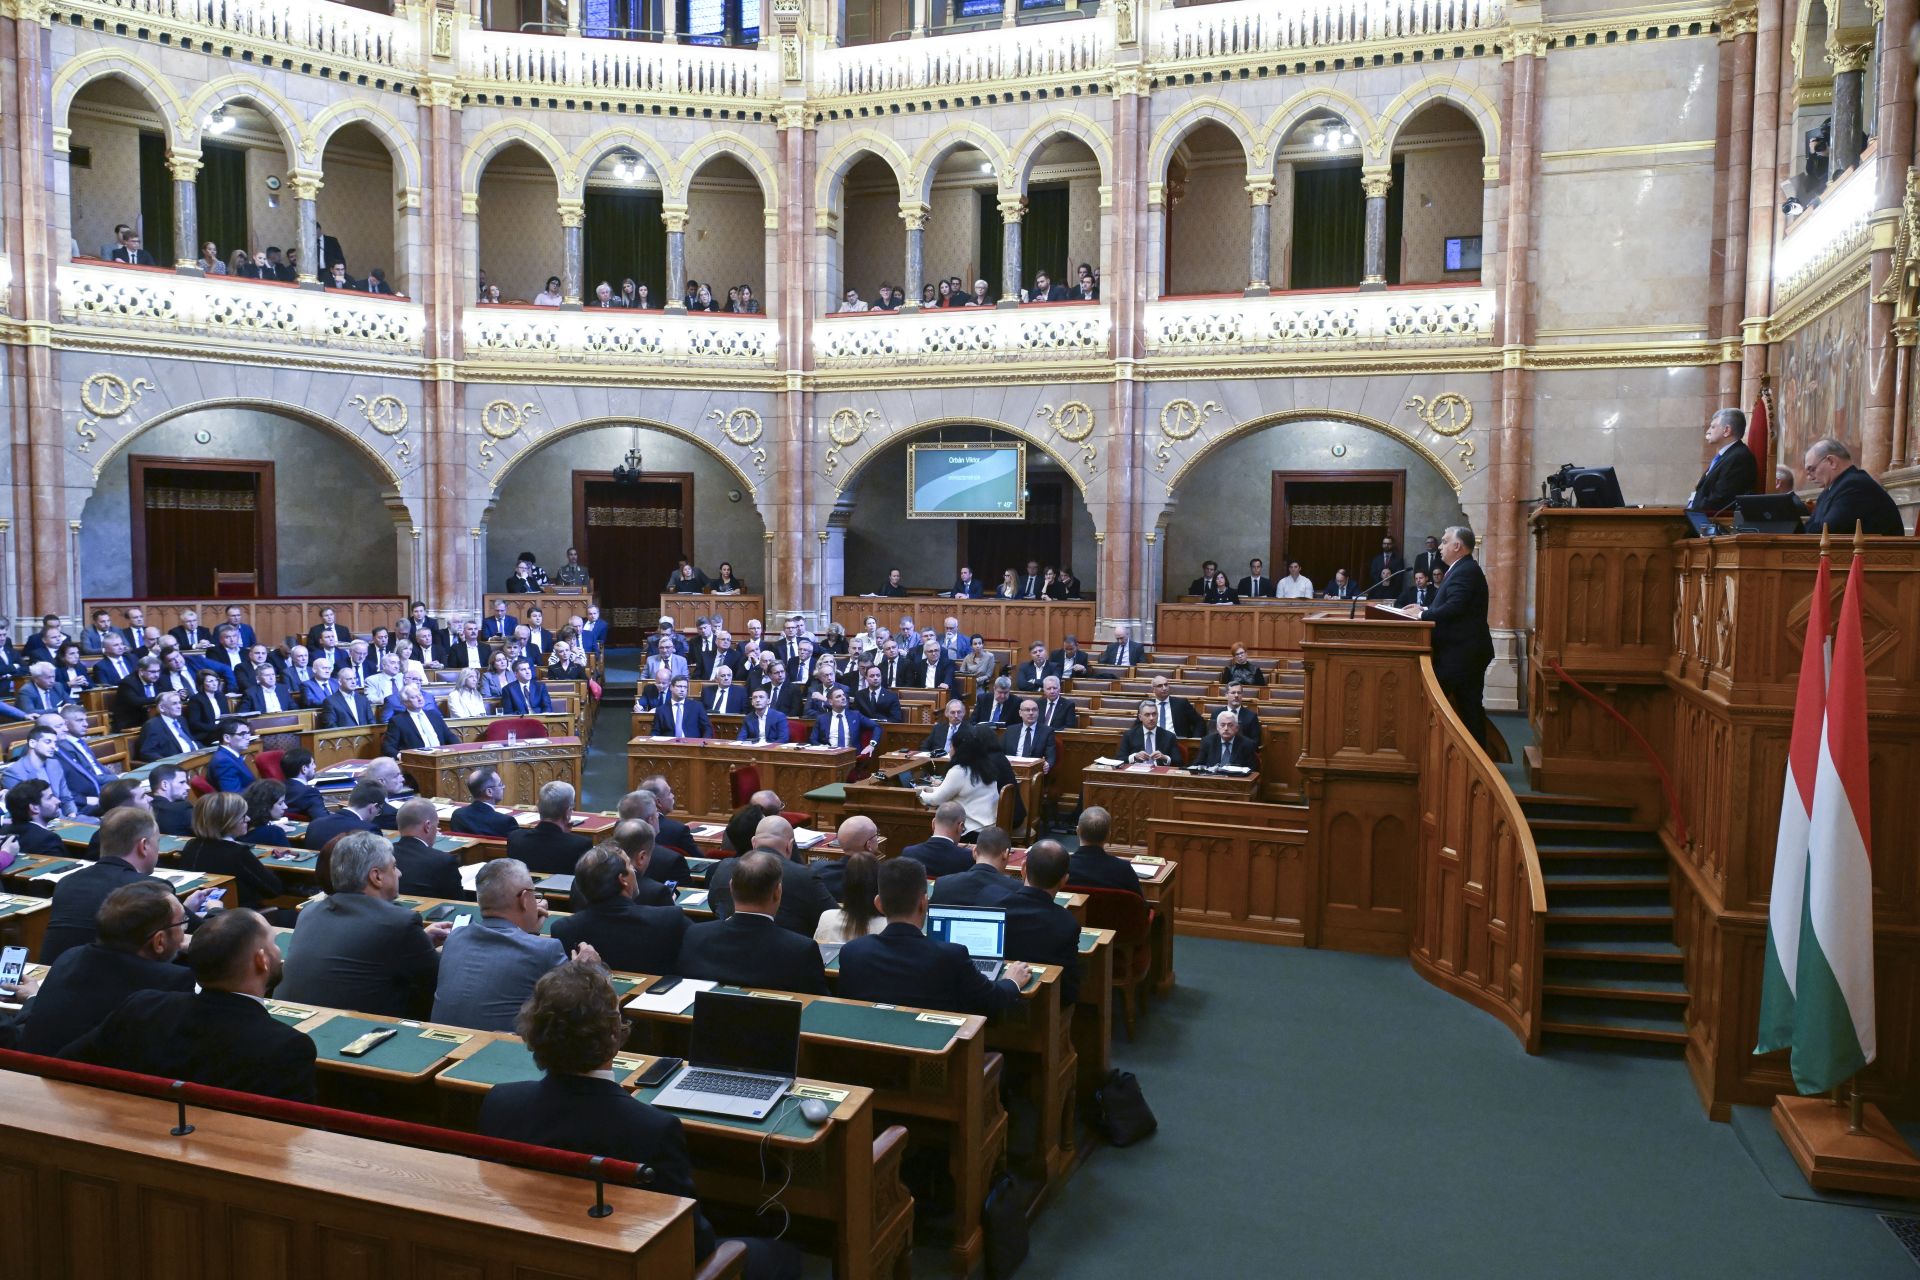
column 1612, row 967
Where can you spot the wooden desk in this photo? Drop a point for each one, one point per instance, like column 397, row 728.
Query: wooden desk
column 254, row 1197
column 23, row 920
column 1269, row 629
column 556, row 604
column 1018, row 622
column 1132, row 796
column 698, row 770
column 687, row 608
column 524, row 767
column 926, row 1069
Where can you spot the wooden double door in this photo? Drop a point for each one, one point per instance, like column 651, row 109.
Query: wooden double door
column 630, row 537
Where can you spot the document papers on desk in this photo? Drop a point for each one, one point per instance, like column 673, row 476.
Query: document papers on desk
column 1109, row 762
column 806, row 837
column 678, row 1000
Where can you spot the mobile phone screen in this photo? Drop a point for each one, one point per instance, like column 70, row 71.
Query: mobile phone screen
column 13, row 966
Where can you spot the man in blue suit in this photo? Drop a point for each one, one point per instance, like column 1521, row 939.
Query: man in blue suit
column 679, row 716
column 228, row 770
column 501, row 625
column 347, row 705
column 317, row 691
column 593, row 636
column 966, row 586
column 902, row 966
column 304, row 800
column 762, row 724
column 1462, row 643
column 166, row 734
column 722, row 697
column 416, row 726
column 264, row 695
column 85, row 774
column 842, row 726
column 237, row 619
column 525, row 696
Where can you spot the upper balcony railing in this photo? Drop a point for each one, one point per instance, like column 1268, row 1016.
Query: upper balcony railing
column 315, row 26
column 963, row 336
column 502, row 334
column 1026, row 54
column 542, row 62
column 1244, row 27
column 1443, row 316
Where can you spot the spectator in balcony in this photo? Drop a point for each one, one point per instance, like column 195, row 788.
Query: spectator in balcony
column 956, row 292
column 480, row 285
column 130, row 252
column 1220, row 591
column 944, row 296
column 888, row 299
column 1340, row 588
column 376, row 282
column 1009, row 588
column 210, row 262
column 1295, row 586
column 241, row 267
column 980, row 296
column 276, row 268
column 733, row 301
column 852, row 303
column 629, row 294
column 572, row 573
column 603, row 297
column 493, row 295
column 120, row 231
column 703, row 300
column 1088, row 284
column 330, row 250
column 551, row 295
column 692, row 295
column 927, row 296
column 1045, row 290
column 726, row 584
column 293, row 264
column 643, row 299
column 337, row 277
column 749, row 305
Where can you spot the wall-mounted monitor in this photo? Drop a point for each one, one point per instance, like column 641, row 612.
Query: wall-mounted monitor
column 1463, row 253
column 967, row 481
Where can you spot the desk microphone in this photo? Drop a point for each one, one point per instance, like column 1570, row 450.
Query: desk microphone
column 1368, row 593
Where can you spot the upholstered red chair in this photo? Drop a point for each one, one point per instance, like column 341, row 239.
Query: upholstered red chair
column 744, row 779
column 1131, row 920
column 267, row 765
column 199, row 785
column 519, row 726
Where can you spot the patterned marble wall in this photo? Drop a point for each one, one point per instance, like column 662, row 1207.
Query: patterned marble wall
column 1210, row 228
column 1443, row 197
column 521, row 242
column 107, row 191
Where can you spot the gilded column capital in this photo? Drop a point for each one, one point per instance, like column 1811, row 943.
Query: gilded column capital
column 1013, row 206
column 1527, row 42
column 1849, row 50
column 791, row 115
column 1739, row 19
column 1129, row 81
column 305, row 186
column 914, row 214
column 184, row 166
column 674, row 217
column 437, row 92
column 1260, row 189
column 1376, row 183
column 573, row 213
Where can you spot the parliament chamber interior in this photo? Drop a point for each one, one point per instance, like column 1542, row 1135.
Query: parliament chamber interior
column 773, row 638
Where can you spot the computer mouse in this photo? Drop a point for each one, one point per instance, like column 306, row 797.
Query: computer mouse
column 814, row 1111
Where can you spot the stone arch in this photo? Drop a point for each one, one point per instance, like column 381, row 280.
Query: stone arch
column 497, row 138
column 534, row 443
column 1253, row 426
column 104, row 64
column 1468, row 98
column 966, row 133
column 285, row 120
column 737, row 146
column 1190, row 117
column 1060, row 125
column 1283, row 121
column 601, row 145
column 400, row 146
column 299, row 413
column 830, row 185
column 876, row 445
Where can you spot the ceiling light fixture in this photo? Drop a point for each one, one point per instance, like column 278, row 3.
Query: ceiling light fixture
column 220, row 122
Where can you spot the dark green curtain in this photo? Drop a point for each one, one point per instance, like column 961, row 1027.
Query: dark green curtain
column 1396, row 207
column 222, row 190
column 156, row 200
column 992, row 240
column 1043, row 235
column 625, row 237
column 1329, row 228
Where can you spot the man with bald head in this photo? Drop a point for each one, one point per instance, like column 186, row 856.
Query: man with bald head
column 802, row 898
column 857, row 834
column 747, row 947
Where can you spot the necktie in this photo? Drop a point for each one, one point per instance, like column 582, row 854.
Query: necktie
column 526, row 695
column 1026, row 735
column 1256, row 587
column 146, row 691
column 839, row 729
column 427, row 735
column 1050, row 714
column 677, row 729
column 179, row 738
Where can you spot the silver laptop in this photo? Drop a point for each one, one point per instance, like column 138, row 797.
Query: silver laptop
column 746, row 1051
column 981, row 930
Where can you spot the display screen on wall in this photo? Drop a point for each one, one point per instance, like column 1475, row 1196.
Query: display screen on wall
column 971, row 481
column 1463, row 253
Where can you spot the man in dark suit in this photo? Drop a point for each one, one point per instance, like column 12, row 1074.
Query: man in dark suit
column 304, row 800
column 140, row 930
column 722, row 697
column 501, row 625
column 631, row 935
column 1256, row 585
column 478, row 817
column 418, row 726
column 229, row 659
column 939, row 739
column 1091, row 866
column 223, row 1036
column 329, row 621
column 1040, row 929
column 1732, row 472
column 1430, row 559
column 841, row 726
column 930, row 669
column 190, row 633
column 1176, row 713
column 966, row 586
column 539, row 639
column 359, row 949
column 264, row 695
column 1045, row 290
column 1056, row 712
column 902, row 966
column 347, row 705
column 762, row 723
column 129, row 851
column 30, row 806
column 877, row 702
column 135, row 695
column 1031, row 582
column 360, row 813
column 1462, row 642
column 1851, row 497
column 1200, row 585
column 114, row 665
column 996, row 705
column 1386, row 561
column 670, row 834
column 425, row 872
column 985, row 883
column 1028, row 738
column 1148, row 742
column 166, row 734
column 525, row 696
column 172, row 799
column 1033, row 672
column 1225, row 745
column 941, row 854
column 803, row 899
column 749, row 948
column 679, row 716
column 550, row 845
column 1123, row 651
column 1419, row 591
column 228, row 770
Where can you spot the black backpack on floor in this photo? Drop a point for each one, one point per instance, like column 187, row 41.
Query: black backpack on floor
column 1124, row 1116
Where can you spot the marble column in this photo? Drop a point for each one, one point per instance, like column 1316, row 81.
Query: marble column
column 789, row 495
column 186, row 213
column 1510, row 477
column 452, row 555
column 573, row 256
column 1736, row 36
column 306, row 190
column 1884, row 415
column 1260, row 252
column 1763, row 200
column 1118, row 494
column 1850, row 58
column 1375, row 183
column 914, row 214
column 675, row 218
column 1013, row 207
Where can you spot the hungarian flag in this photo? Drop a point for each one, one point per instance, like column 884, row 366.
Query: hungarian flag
column 1787, row 903
column 1757, row 446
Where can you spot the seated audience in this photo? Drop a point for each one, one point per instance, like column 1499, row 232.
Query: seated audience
column 986, row 882
column 266, row 803
column 488, row 969
column 1091, row 866
column 1148, row 742
column 900, row 965
column 550, row 846
column 1040, row 930
column 1225, row 746
column 425, row 872
column 357, row 948
column 968, row 780
column 140, row 929
column 748, row 948
column 360, row 813
column 941, row 853
column 478, row 817
column 802, row 899
column 858, row 914
column 607, row 913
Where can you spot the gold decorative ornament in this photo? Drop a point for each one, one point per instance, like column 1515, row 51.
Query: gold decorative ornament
column 1448, row 415
column 844, row 430
column 385, row 414
column 1181, row 420
column 744, row 428
column 103, row 396
column 1123, row 21
column 1072, row 422
column 501, row 420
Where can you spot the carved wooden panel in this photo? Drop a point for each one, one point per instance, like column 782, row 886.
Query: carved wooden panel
column 1238, row 882
column 273, row 620
column 1017, row 622
column 1269, row 629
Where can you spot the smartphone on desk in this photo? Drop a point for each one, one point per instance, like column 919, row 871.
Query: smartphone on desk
column 367, row 1043
column 659, row 1073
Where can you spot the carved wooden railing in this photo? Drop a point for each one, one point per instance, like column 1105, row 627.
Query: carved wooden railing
column 1480, row 926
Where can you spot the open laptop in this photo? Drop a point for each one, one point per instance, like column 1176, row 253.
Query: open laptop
column 981, row 930
column 745, row 1053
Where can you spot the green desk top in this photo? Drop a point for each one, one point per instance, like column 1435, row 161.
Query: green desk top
column 13, row 905
column 784, row 1121
column 452, row 844
column 897, row 1027
column 498, row 1062
column 833, row 791
column 696, row 898
column 410, row 1052
column 700, row 866
column 1088, row 940
column 471, row 910
column 53, row 867
column 292, row 1015
column 189, row 884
